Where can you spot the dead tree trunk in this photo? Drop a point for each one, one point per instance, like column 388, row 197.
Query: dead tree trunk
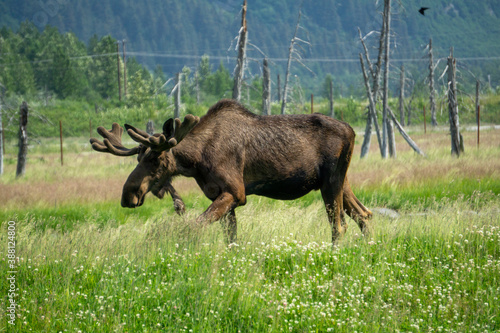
column 453, row 106
column 372, row 114
column 289, row 64
column 240, row 62
column 372, row 94
column 266, row 89
column 389, row 143
column 332, row 111
column 197, row 86
column 404, row 134
column 432, row 98
column 177, row 95
column 402, row 96
column 118, row 67
column 279, row 88
column 124, row 69
column 23, row 140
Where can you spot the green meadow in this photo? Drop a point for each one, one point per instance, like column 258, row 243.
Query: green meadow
column 84, row 264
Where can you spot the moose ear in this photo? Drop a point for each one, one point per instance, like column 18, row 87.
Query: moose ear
column 168, row 128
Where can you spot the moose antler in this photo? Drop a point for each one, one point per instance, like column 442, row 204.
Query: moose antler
column 112, row 142
column 173, row 133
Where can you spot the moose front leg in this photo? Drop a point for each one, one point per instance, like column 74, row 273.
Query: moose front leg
column 230, row 227
column 179, row 206
column 219, row 208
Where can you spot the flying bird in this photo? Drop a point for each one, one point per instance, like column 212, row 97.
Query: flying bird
column 422, row 10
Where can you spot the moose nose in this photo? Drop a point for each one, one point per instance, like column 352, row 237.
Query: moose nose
column 130, row 201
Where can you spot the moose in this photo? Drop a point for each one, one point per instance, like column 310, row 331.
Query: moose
column 232, row 153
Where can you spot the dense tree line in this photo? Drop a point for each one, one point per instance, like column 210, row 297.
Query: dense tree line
column 61, row 65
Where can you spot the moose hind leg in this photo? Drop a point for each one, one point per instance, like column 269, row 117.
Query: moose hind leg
column 332, row 196
column 356, row 210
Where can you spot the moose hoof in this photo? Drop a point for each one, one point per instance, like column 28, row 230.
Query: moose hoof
column 179, row 206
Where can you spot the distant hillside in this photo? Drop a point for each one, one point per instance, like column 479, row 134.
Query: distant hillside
column 176, row 33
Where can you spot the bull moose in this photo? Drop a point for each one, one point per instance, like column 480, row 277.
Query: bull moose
column 233, row 153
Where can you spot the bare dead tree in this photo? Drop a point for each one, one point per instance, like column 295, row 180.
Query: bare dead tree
column 388, row 141
column 279, row 88
column 372, row 114
column 177, row 95
column 197, row 86
column 118, row 67
column 293, row 54
column 266, row 88
column 453, row 106
column 240, row 62
column 332, row 111
column 432, row 98
column 404, row 134
column 374, row 93
column 124, row 69
column 23, row 140
column 402, row 96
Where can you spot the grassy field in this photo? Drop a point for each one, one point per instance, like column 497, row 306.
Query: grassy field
column 84, row 264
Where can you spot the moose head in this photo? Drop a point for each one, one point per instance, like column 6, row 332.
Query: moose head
column 156, row 165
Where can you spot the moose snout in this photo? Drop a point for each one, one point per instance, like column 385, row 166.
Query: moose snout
column 130, row 201
column 132, row 198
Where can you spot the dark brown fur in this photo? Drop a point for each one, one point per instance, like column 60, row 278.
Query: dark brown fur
column 232, row 153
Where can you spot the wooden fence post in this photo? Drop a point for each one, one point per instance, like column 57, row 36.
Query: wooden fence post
column 23, row 140
column 61, row 141
column 477, row 112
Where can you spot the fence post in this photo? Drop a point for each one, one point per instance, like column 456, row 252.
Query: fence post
column 477, row 111
column 61, row 141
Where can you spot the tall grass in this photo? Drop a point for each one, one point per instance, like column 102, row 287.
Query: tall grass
column 418, row 272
